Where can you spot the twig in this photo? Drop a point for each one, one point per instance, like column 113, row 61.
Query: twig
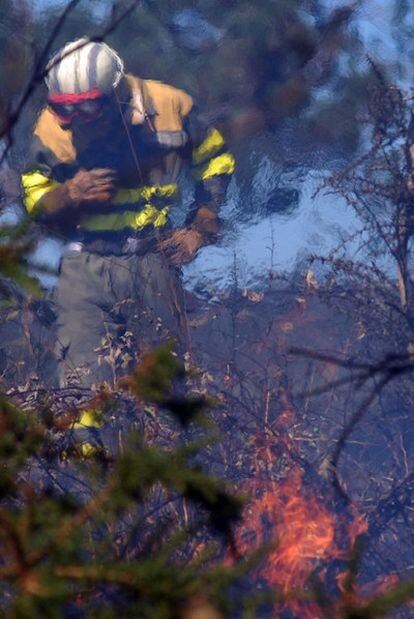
column 74, row 522
column 389, row 367
column 347, row 431
column 37, row 75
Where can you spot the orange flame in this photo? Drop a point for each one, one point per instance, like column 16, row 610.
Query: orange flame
column 290, row 515
column 302, row 529
column 357, row 596
column 307, row 536
column 304, row 532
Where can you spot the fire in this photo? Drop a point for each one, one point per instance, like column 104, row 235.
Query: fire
column 304, row 533
column 302, row 529
column 309, row 536
column 358, row 596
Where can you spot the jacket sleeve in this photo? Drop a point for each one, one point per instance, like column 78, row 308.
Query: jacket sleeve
column 37, row 179
column 51, row 162
column 43, row 176
column 212, row 166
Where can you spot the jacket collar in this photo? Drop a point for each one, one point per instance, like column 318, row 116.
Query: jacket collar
column 141, row 102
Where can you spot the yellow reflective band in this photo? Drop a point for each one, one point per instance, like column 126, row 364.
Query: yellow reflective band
column 127, row 196
column 130, row 196
column 223, row 164
column 85, row 450
column 160, row 191
column 211, row 145
column 128, row 219
column 35, row 186
column 89, row 419
column 89, row 451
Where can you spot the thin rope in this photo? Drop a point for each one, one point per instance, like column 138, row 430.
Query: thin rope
column 129, row 138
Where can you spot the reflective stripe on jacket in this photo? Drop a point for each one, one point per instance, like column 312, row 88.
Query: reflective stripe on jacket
column 36, row 185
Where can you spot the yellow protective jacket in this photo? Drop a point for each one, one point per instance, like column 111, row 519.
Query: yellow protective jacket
column 161, row 132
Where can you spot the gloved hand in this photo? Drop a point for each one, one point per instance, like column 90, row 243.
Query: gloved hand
column 207, row 222
column 87, row 187
column 182, row 246
column 91, row 186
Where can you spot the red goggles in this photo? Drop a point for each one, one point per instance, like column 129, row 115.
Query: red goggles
column 88, row 106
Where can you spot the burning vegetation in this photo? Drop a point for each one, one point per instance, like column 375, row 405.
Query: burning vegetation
column 111, row 500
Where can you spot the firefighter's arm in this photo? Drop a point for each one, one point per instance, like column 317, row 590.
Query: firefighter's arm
column 212, row 167
column 46, row 198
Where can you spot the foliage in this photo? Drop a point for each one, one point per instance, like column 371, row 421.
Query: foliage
column 15, row 244
column 96, row 549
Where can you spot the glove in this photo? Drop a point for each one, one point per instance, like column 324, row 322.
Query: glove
column 87, row 187
column 182, row 246
column 206, row 222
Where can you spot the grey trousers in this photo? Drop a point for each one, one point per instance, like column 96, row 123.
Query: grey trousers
column 110, row 309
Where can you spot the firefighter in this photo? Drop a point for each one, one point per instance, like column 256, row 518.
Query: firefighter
column 108, row 151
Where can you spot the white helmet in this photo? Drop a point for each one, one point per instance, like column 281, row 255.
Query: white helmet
column 88, row 67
